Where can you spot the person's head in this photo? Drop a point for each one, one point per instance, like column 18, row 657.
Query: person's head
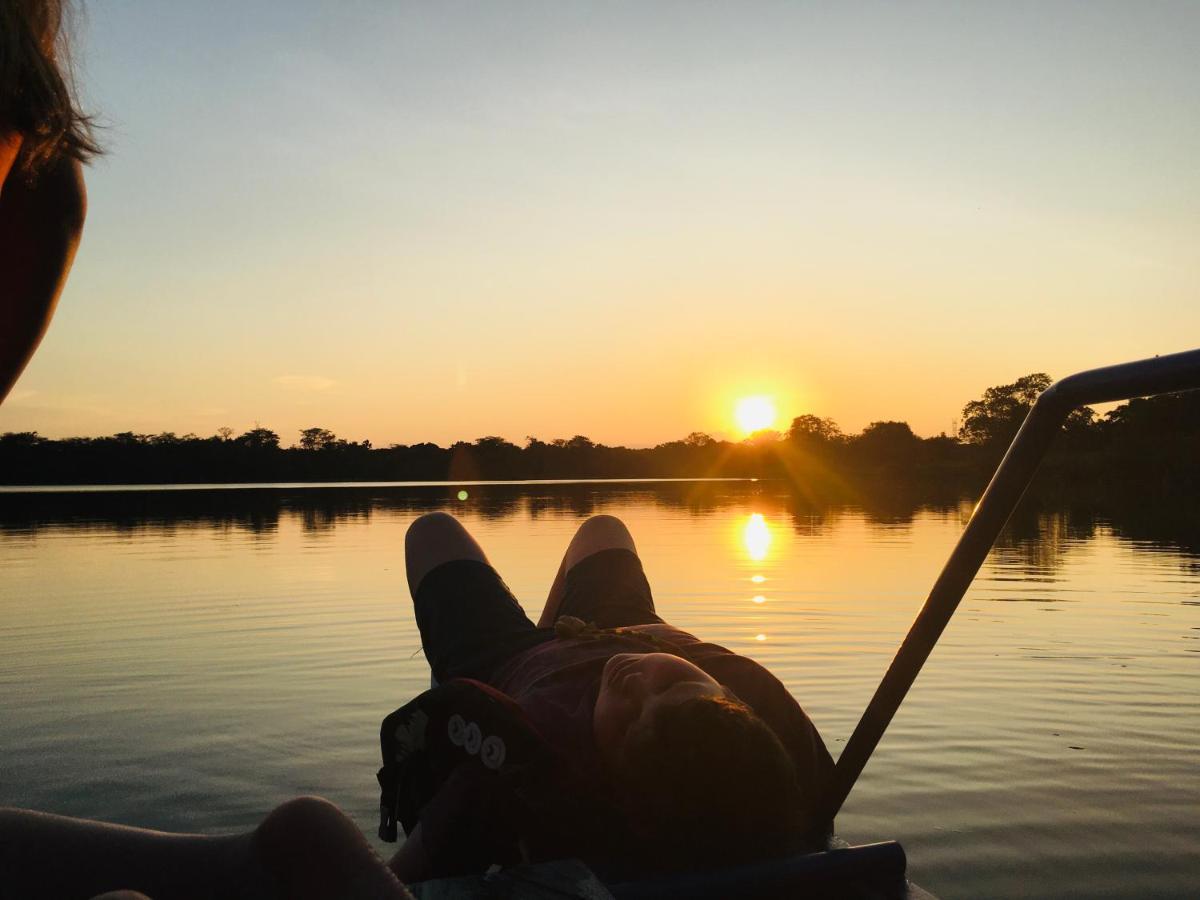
column 36, row 97
column 705, row 781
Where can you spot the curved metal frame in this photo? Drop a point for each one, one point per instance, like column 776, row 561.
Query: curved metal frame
column 1160, row 375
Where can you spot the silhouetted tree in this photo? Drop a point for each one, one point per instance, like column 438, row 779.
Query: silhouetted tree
column 1149, row 443
column 888, row 441
column 13, row 440
column 1155, row 438
column 258, row 438
column 317, row 439
column 1081, row 430
column 493, row 444
column 496, row 457
column 810, row 429
column 1156, row 416
column 995, row 418
column 941, row 448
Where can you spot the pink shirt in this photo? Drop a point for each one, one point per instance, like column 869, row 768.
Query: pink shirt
column 556, row 684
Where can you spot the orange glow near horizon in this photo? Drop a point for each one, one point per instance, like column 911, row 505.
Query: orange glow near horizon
column 642, row 247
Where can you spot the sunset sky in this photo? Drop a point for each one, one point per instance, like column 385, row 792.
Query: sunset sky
column 437, row 221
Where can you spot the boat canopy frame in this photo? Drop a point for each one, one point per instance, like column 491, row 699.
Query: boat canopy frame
column 1147, row 377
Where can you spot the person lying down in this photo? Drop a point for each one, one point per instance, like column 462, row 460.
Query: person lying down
column 601, row 733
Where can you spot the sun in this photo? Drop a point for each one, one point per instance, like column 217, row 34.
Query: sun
column 755, row 413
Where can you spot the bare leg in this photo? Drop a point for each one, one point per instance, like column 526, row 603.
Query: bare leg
column 433, row 539
column 411, row 863
column 48, row 856
column 314, row 851
column 306, row 848
column 596, row 534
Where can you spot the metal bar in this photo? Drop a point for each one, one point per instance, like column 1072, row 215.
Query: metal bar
column 1160, row 375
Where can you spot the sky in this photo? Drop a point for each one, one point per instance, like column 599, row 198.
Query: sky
column 437, row 221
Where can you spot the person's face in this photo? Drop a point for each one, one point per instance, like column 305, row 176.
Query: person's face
column 633, row 685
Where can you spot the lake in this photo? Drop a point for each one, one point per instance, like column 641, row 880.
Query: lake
column 186, row 659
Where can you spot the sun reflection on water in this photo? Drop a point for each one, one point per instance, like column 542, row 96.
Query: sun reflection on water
column 757, row 537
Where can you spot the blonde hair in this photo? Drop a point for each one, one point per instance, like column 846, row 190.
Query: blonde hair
column 37, row 97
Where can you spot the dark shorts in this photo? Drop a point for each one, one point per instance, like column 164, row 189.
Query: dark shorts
column 471, row 623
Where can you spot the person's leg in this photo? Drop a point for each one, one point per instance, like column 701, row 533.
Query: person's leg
column 305, row 848
column 434, row 539
column 314, row 850
column 595, row 535
column 468, row 618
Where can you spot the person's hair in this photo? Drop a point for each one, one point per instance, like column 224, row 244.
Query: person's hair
column 710, row 784
column 37, row 98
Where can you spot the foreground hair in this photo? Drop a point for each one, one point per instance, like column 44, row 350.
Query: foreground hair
column 37, row 99
column 708, row 783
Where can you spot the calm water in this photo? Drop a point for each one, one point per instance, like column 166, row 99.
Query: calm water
column 185, row 660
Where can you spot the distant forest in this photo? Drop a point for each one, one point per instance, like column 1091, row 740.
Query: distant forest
column 1149, row 443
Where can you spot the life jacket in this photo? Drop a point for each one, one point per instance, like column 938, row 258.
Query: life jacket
column 509, row 796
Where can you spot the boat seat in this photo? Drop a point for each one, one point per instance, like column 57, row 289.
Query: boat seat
column 874, row 871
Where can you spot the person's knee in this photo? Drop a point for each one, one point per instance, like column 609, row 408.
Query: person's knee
column 312, row 849
column 600, row 532
column 604, row 529
column 304, row 814
column 602, row 522
column 433, row 539
column 434, row 535
column 303, row 823
column 432, row 525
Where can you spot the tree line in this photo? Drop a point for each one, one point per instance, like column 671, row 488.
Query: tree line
column 1146, row 441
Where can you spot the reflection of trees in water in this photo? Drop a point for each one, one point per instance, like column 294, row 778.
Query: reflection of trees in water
column 256, row 512
column 502, row 506
column 321, row 510
column 896, row 513
column 899, row 507
column 1037, row 538
column 887, row 509
column 541, row 504
column 320, row 516
column 1037, row 542
column 809, row 522
column 133, row 512
column 695, row 498
column 1170, row 522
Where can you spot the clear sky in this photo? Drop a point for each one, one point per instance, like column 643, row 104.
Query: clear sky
column 436, row 221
